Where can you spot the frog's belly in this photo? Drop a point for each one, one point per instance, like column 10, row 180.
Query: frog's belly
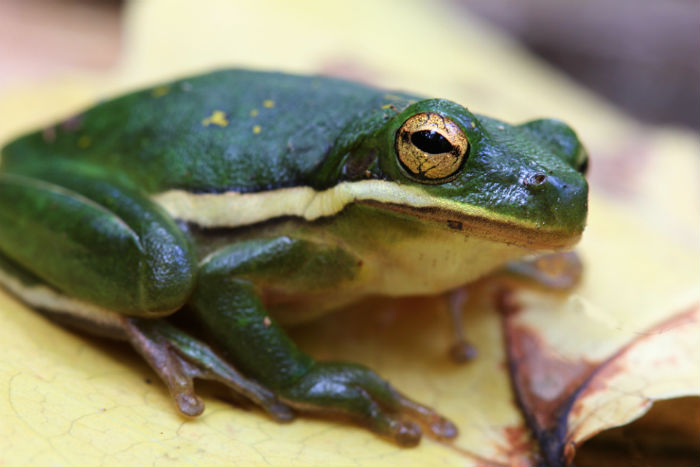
column 408, row 268
column 445, row 264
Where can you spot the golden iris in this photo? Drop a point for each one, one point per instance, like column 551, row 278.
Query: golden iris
column 431, row 147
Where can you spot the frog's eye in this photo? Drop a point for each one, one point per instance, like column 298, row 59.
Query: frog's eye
column 431, row 148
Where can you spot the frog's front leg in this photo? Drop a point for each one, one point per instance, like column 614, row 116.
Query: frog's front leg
column 552, row 272
column 460, row 351
column 226, row 300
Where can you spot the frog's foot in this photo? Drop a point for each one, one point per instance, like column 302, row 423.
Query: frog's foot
column 179, row 358
column 557, row 271
column 353, row 391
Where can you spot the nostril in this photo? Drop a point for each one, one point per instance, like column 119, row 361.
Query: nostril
column 583, row 168
column 535, row 180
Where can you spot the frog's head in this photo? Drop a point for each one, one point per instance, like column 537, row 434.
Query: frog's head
column 520, row 184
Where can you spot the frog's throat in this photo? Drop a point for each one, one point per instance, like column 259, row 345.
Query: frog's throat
column 233, row 209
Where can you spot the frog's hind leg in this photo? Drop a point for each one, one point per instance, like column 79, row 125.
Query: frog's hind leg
column 174, row 355
column 91, row 251
column 59, row 307
column 96, row 240
column 178, row 359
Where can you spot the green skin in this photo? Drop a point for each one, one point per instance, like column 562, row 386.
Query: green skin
column 78, row 214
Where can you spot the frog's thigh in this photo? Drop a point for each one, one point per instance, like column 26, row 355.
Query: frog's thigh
column 97, row 242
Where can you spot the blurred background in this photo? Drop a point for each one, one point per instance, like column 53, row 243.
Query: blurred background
column 641, row 55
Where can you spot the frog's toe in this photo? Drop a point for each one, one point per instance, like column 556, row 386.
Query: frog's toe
column 179, row 358
column 406, row 433
column 187, row 402
column 352, row 391
column 462, row 351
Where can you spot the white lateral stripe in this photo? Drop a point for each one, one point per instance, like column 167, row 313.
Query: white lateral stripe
column 45, row 298
column 234, row 209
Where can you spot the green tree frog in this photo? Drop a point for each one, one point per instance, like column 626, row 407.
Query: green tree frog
column 245, row 200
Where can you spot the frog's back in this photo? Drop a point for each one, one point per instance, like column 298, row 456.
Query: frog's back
column 226, row 130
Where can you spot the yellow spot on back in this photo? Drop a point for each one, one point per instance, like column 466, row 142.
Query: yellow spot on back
column 257, row 129
column 268, row 103
column 84, row 142
column 160, row 91
column 218, row 117
column 254, row 113
column 387, row 106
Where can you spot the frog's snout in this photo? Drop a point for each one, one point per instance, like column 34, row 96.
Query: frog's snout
column 563, row 202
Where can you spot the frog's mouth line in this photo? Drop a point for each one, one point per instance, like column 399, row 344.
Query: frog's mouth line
column 489, row 229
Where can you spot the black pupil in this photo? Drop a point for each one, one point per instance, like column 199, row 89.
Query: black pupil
column 430, row 141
